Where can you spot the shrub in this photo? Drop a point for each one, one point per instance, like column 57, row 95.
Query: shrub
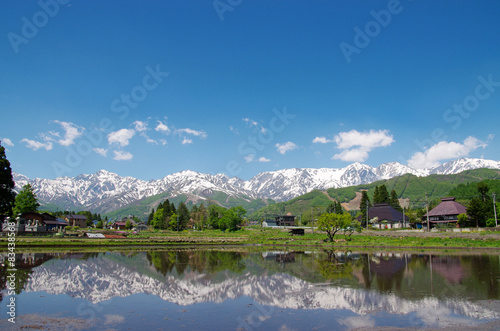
column 490, row 222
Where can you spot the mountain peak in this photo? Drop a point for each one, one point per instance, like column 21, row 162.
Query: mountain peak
column 105, row 191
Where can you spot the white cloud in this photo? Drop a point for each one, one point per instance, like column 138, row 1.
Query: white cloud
column 151, row 141
column 352, row 155
column 121, row 137
column 369, row 140
column 263, row 159
column 162, row 127
column 286, row 147
column 121, row 155
column 163, row 142
column 201, row 134
column 321, row 140
column 71, row 132
column 356, row 145
column 35, row 145
column 140, row 126
column 250, row 122
column 249, row 158
column 444, row 151
column 186, row 141
column 113, row 319
column 50, row 136
column 101, row 151
column 7, row 142
column 234, row 130
column 355, row 322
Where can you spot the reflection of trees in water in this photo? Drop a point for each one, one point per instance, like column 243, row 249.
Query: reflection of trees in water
column 485, row 272
column 336, row 265
column 24, row 268
column 201, row 261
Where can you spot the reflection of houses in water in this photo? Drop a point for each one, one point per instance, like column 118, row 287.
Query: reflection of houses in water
column 28, row 260
column 386, row 269
column 449, row 267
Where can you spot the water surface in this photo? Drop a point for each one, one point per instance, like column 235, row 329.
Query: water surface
column 235, row 289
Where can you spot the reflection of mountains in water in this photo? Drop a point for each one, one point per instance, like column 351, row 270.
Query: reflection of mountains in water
column 102, row 278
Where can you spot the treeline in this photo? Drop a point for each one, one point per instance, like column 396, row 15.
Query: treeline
column 169, row 217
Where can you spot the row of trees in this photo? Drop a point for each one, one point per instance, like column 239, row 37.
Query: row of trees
column 169, row 217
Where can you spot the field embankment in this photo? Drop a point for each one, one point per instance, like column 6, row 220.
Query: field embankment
column 275, row 237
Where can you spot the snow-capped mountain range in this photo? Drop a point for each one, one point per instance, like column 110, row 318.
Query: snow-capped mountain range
column 104, row 191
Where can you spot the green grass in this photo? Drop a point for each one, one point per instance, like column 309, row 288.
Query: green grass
column 262, row 236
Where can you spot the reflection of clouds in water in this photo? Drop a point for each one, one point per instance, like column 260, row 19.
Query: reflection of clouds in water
column 355, row 322
column 286, row 328
column 442, row 317
column 113, row 319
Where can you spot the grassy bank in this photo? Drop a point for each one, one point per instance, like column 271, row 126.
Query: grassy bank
column 271, row 237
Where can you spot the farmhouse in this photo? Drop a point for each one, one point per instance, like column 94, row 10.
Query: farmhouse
column 384, row 216
column 446, row 212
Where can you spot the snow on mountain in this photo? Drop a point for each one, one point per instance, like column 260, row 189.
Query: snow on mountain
column 457, row 166
column 105, row 191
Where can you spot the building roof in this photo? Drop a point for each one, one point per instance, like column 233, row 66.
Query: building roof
column 56, row 221
column 448, row 206
column 77, row 217
column 384, row 212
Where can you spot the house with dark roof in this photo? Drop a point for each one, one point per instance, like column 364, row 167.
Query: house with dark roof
column 446, row 212
column 384, row 216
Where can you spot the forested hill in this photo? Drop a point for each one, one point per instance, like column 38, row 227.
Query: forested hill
column 408, row 186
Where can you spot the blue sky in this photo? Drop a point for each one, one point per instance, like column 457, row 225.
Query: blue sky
column 146, row 89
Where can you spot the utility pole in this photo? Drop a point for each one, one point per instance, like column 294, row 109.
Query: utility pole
column 495, row 208
column 367, row 213
column 427, row 208
column 404, row 221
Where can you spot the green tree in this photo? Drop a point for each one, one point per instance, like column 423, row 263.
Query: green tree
column 158, row 219
column 381, row 194
column 463, row 219
column 173, row 222
column 376, row 195
column 199, row 215
column 332, row 223
column 7, row 194
column 355, row 226
column 128, row 224
column 364, row 206
column 394, row 201
column 151, row 215
column 183, row 213
column 481, row 208
column 26, row 200
column 477, row 211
